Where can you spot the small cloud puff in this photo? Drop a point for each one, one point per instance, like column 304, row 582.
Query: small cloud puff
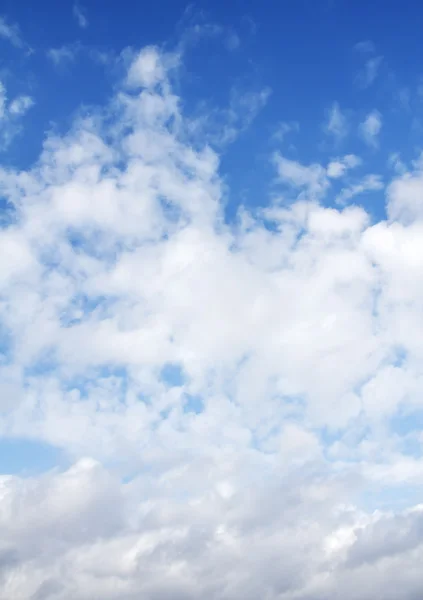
column 20, row 105
column 147, row 70
column 370, row 128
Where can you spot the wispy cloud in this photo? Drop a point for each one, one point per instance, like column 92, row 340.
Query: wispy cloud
column 365, row 47
column 80, row 16
column 370, row 128
column 11, row 32
column 11, row 113
column 368, row 74
column 222, row 126
column 64, row 54
column 336, row 125
column 369, row 183
column 313, row 181
column 371, row 68
column 282, row 130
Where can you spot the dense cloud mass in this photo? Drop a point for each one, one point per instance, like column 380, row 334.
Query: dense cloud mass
column 234, row 398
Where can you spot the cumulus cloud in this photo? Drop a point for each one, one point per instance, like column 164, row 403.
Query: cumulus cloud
column 148, row 68
column 225, row 394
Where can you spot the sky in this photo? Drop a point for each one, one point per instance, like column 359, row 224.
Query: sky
column 211, row 299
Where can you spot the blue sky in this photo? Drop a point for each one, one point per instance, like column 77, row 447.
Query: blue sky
column 211, row 294
column 304, row 51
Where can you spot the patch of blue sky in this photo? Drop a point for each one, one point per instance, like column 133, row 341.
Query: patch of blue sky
column 400, row 356
column 83, row 307
column 113, row 377
column 5, row 344
column 45, row 364
column 412, row 445
column 7, row 212
column 95, row 243
column 390, row 497
column 172, row 375
column 193, row 404
column 27, row 457
column 404, row 423
column 171, row 212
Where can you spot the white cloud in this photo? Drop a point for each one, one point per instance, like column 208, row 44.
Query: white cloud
column 282, row 130
column 405, row 196
column 370, row 128
column 338, row 167
column 313, row 181
column 216, row 388
column 337, row 123
column 310, row 178
column 11, row 33
column 148, row 69
column 10, row 115
column 79, row 14
column 368, row 75
column 222, row 126
column 20, row 105
column 369, row 183
column 395, row 162
column 64, row 54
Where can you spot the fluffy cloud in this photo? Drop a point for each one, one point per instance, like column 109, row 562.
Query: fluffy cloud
column 227, row 395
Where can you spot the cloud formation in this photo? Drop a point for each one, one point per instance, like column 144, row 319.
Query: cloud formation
column 11, row 33
column 337, row 123
column 370, row 128
column 11, row 113
column 79, row 14
column 226, row 393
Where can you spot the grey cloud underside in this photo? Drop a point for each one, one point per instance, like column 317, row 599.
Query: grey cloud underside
column 242, row 380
